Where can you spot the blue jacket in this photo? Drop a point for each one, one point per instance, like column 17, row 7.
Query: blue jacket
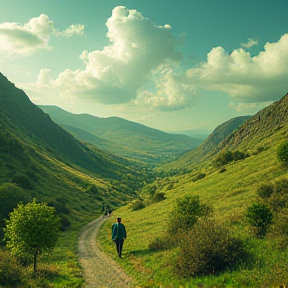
column 118, row 231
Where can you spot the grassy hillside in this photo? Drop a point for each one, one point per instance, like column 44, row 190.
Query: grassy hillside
column 229, row 193
column 45, row 162
column 209, row 147
column 123, row 137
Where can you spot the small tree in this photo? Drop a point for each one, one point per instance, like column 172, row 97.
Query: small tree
column 32, row 228
column 260, row 217
column 186, row 213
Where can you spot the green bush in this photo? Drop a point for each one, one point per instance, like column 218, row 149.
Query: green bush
column 228, row 156
column 282, row 152
column 137, row 205
column 259, row 216
column 265, row 190
column 22, row 181
column 160, row 243
column 186, row 212
column 10, row 270
column 198, row 177
column 279, row 199
column 159, row 196
column 209, row 248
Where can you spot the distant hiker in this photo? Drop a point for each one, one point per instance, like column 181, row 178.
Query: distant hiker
column 110, row 212
column 118, row 235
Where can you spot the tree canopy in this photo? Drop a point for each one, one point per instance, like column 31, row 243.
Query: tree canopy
column 32, row 229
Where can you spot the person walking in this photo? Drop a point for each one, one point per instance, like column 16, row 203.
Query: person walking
column 118, row 235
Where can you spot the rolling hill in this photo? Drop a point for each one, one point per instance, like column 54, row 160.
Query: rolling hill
column 123, row 137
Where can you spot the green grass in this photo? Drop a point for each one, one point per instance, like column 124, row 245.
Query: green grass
column 229, row 193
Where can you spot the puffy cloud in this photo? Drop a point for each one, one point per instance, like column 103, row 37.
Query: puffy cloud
column 115, row 74
column 32, row 36
column 244, row 78
column 168, row 93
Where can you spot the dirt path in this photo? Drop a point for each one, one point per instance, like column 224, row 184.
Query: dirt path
column 99, row 269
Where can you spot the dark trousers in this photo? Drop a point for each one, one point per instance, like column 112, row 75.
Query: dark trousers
column 119, row 246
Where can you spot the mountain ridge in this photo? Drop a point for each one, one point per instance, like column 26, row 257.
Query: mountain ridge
column 151, row 145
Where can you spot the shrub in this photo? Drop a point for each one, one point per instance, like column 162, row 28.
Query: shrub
column 265, row 190
column 10, row 270
column 22, row 181
column 238, row 155
column 185, row 214
column 282, row 152
column 260, row 217
column 160, row 243
column 279, row 198
column 208, row 248
column 222, row 170
column 199, row 176
column 137, row 205
column 228, row 156
column 159, row 196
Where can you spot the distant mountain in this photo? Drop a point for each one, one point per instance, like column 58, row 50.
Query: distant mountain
column 210, row 146
column 123, row 137
column 50, row 163
column 198, row 134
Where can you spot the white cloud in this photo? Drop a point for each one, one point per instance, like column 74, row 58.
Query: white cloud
column 139, row 67
column 168, row 93
column 22, row 40
column 115, row 74
column 244, row 78
column 251, row 42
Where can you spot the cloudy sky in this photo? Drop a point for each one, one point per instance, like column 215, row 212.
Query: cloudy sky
column 171, row 65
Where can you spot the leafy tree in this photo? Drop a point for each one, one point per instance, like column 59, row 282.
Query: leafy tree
column 282, row 152
column 185, row 214
column 32, row 229
column 260, row 217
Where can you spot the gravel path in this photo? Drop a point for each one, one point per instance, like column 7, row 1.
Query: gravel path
column 99, row 269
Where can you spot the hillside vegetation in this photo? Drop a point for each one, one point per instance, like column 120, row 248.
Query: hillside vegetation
column 227, row 201
column 209, row 147
column 39, row 159
column 123, row 137
column 156, row 259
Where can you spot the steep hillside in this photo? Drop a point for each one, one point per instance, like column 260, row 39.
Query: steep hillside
column 51, row 164
column 210, row 146
column 260, row 127
column 125, row 138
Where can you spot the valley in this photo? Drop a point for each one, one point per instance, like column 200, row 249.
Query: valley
column 82, row 164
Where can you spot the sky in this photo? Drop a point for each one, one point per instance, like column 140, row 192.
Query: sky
column 170, row 65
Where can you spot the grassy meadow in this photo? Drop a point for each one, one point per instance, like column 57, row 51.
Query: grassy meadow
column 229, row 193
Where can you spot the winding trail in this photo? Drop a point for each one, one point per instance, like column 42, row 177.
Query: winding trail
column 99, row 269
